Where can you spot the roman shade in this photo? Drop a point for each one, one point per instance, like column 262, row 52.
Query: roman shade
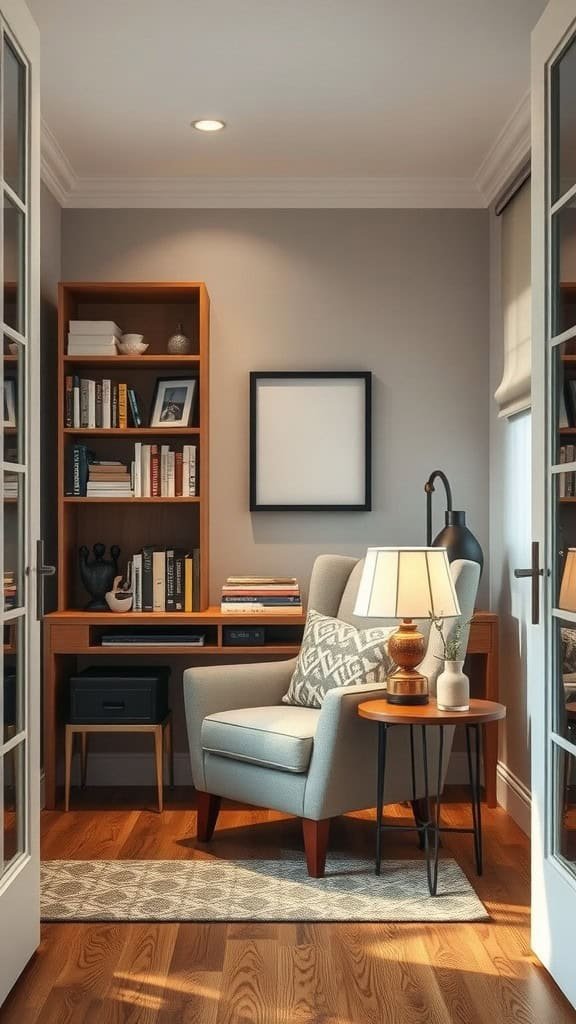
column 514, row 392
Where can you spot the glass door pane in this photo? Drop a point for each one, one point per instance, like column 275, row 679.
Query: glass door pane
column 14, row 546
column 561, row 678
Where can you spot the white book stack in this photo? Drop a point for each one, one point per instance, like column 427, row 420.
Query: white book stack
column 93, row 338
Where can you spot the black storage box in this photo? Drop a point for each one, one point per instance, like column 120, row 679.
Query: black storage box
column 132, row 695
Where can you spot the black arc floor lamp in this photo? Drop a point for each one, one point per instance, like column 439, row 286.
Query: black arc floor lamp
column 458, row 540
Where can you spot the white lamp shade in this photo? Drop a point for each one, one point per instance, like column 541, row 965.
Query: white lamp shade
column 406, row 583
column 567, row 599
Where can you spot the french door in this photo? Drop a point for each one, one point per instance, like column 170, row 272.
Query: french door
column 19, row 491
column 552, row 672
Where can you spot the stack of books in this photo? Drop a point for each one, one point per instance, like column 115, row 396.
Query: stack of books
column 165, row 580
column 108, row 480
column 100, row 404
column 93, row 338
column 9, row 590
column 161, row 472
column 10, row 489
column 261, row 594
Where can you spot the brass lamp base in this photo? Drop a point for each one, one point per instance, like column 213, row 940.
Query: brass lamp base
column 407, row 647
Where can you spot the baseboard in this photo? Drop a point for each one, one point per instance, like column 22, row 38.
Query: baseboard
column 514, row 797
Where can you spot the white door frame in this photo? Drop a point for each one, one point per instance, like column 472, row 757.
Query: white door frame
column 553, row 886
column 20, row 887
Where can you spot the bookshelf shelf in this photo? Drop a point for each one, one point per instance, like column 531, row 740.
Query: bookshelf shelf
column 163, row 362
column 158, row 432
column 122, row 500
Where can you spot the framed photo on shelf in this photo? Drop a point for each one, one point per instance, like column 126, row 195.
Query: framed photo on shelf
column 172, row 405
column 9, row 414
column 311, row 441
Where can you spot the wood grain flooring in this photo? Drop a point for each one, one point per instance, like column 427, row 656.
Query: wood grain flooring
column 289, row 973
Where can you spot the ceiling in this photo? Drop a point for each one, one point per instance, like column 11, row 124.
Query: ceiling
column 327, row 91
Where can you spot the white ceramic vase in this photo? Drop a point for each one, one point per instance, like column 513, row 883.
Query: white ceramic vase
column 453, row 688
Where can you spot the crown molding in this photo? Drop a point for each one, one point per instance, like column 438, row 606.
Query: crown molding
column 509, row 151
column 57, row 172
column 272, row 193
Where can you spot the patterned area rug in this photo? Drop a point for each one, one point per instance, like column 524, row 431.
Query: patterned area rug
column 253, row 890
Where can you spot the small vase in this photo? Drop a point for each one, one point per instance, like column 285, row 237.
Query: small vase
column 453, row 688
column 179, row 344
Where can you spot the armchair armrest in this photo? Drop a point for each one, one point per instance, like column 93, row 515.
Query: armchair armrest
column 213, row 688
column 343, row 756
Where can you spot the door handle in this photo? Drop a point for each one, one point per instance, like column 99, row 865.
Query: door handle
column 534, row 574
column 41, row 571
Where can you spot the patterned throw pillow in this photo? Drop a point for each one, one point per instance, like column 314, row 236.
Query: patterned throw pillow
column 334, row 653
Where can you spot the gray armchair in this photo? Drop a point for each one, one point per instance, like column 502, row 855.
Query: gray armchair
column 314, row 763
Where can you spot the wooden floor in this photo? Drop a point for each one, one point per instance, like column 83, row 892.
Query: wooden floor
column 289, row 973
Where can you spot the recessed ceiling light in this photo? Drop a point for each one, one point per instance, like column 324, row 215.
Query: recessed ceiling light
column 208, row 125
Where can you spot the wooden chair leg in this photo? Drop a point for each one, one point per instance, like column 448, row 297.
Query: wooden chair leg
column 159, row 758
column 68, row 766
column 170, row 751
column 208, row 810
column 316, row 845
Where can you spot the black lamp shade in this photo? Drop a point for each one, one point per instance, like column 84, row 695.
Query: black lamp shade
column 458, row 540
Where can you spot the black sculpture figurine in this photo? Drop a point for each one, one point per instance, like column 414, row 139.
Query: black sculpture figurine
column 98, row 575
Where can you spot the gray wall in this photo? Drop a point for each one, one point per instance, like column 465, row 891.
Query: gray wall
column 403, row 293
column 50, row 275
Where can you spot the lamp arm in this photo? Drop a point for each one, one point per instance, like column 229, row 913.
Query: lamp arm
column 429, row 489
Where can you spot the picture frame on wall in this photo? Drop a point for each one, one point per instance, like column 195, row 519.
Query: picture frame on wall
column 311, row 441
column 173, row 403
column 9, row 407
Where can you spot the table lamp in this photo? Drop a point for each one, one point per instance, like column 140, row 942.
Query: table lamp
column 407, row 584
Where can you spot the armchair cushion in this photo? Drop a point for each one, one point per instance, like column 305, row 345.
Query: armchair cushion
column 272, row 737
column 335, row 654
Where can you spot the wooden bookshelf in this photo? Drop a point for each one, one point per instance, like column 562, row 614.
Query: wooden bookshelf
column 154, row 310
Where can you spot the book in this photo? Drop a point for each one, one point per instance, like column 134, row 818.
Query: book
column 159, row 580
column 94, row 328
column 164, row 457
column 188, row 574
column 107, row 404
column 259, row 609
column 179, row 581
column 266, row 600
column 134, row 405
column 98, row 420
column 178, row 474
column 76, row 479
column 84, row 404
column 137, row 581
column 69, row 402
column 76, row 403
column 138, row 469
column 570, row 476
column 196, row 580
column 171, row 488
column 114, row 417
column 154, row 471
column 186, row 471
column 147, row 580
column 145, row 471
column 170, row 603
column 562, row 480
column 122, row 406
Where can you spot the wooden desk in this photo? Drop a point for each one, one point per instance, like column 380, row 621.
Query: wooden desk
column 69, row 635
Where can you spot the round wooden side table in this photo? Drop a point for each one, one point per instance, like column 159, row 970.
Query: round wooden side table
column 426, row 715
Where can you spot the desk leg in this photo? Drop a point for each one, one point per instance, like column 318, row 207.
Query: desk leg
column 491, row 731
column 382, row 737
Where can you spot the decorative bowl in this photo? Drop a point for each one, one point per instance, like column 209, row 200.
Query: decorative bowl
column 132, row 344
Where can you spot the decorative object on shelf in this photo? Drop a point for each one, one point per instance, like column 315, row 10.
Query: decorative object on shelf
column 458, row 540
column 310, row 441
column 98, row 575
column 173, row 402
column 452, row 685
column 567, row 599
column 132, row 345
column 9, row 413
column 118, row 599
column 407, row 584
column 179, row 344
column 13, row 348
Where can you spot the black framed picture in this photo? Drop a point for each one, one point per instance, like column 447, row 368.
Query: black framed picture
column 311, row 441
